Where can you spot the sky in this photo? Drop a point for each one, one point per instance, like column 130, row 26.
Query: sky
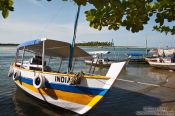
column 35, row 19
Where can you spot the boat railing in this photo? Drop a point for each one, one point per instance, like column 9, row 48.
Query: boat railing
column 87, row 75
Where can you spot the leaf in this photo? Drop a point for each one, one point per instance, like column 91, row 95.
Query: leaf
column 5, row 13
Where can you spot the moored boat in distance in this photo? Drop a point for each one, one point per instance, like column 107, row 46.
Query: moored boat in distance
column 163, row 63
column 40, row 69
column 136, row 58
column 99, row 60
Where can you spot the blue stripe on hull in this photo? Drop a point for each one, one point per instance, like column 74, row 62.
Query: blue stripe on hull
column 69, row 88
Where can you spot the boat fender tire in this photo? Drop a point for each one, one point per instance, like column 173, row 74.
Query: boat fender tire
column 39, row 81
column 16, row 75
column 11, row 71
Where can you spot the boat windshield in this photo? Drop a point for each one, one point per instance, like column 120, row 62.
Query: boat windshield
column 32, row 59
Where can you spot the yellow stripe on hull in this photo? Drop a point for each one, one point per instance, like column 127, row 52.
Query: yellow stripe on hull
column 84, row 99
column 95, row 100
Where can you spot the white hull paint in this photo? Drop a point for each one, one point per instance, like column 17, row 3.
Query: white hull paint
column 61, row 103
column 162, row 65
column 68, row 96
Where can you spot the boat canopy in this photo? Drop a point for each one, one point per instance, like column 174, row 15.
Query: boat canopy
column 135, row 54
column 52, row 48
column 98, row 52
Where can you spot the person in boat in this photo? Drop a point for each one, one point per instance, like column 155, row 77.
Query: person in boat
column 163, row 54
column 37, row 60
column 173, row 57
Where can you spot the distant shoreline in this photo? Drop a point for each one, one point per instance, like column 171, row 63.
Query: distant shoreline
column 127, row 47
column 11, row 44
column 8, row 44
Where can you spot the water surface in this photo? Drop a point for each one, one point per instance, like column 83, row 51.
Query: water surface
column 124, row 98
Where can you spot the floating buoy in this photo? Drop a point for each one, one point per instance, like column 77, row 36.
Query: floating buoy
column 39, row 81
column 16, row 75
column 11, row 71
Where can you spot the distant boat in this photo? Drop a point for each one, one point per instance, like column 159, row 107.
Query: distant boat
column 75, row 91
column 99, row 60
column 162, row 52
column 163, row 63
column 136, row 58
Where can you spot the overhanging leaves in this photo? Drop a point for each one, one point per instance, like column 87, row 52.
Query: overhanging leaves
column 5, row 7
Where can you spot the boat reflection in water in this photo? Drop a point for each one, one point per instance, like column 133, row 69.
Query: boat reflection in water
column 26, row 104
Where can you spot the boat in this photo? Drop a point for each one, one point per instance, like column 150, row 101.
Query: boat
column 163, row 63
column 98, row 59
column 77, row 91
column 162, row 52
column 137, row 58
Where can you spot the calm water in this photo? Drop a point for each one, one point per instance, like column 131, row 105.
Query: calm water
column 124, row 98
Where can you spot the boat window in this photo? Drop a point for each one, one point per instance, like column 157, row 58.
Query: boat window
column 79, row 65
column 51, row 64
column 33, row 61
column 28, row 57
column 60, row 65
column 57, row 64
column 19, row 57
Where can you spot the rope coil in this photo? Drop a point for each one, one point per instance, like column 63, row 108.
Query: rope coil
column 77, row 78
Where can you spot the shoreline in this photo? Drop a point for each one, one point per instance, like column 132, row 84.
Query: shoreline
column 9, row 44
column 126, row 47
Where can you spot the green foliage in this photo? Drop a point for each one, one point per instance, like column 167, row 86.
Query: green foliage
column 164, row 10
column 95, row 44
column 5, row 7
column 131, row 14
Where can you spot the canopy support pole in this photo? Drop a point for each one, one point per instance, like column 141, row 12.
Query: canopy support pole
column 48, row 61
column 43, row 55
column 22, row 56
column 60, row 64
column 91, row 66
column 95, row 65
column 16, row 58
column 146, row 47
column 73, row 65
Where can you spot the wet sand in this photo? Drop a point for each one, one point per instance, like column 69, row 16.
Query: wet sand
column 156, row 93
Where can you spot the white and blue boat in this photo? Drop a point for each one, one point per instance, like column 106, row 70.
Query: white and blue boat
column 70, row 89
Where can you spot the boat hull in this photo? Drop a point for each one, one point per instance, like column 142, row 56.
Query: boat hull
column 58, row 91
column 168, row 66
column 163, row 63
